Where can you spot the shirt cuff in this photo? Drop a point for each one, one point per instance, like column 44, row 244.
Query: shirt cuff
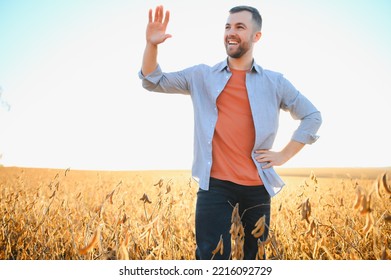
column 152, row 77
column 305, row 138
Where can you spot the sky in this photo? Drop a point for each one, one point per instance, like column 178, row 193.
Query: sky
column 70, row 95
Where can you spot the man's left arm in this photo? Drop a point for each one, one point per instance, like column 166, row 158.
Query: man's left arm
column 301, row 109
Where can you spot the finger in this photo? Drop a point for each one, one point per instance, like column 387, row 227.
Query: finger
column 150, row 15
column 157, row 13
column 264, row 154
column 262, row 160
column 261, row 151
column 166, row 37
column 160, row 16
column 166, row 18
column 268, row 165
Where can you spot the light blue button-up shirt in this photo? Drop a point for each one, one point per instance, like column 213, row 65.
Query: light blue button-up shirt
column 268, row 92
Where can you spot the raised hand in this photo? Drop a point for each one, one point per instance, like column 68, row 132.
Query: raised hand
column 156, row 28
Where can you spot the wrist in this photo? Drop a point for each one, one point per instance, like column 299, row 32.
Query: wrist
column 151, row 45
column 291, row 150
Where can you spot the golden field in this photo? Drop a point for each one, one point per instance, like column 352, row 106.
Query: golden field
column 49, row 214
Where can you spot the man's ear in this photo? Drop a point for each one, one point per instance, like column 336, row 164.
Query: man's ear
column 257, row 36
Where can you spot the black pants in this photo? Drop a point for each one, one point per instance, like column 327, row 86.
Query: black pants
column 213, row 217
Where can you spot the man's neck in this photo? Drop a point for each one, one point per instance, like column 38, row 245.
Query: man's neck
column 242, row 63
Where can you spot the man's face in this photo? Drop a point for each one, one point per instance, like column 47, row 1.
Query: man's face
column 239, row 34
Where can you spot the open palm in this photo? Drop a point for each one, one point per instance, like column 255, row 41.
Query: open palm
column 156, row 28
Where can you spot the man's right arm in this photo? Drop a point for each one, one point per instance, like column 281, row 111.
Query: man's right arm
column 153, row 79
column 155, row 35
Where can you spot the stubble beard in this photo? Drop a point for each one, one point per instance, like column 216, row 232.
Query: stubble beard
column 239, row 52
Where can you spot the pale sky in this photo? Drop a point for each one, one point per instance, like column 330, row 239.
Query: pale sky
column 70, row 95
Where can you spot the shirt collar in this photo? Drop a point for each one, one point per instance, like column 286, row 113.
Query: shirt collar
column 223, row 65
column 256, row 68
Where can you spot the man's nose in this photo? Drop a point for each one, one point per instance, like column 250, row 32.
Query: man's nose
column 230, row 32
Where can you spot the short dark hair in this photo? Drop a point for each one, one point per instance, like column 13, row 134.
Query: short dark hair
column 256, row 16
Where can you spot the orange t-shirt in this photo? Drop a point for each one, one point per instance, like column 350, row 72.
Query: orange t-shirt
column 234, row 136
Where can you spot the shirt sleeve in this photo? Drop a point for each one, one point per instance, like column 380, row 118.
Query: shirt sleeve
column 174, row 82
column 301, row 109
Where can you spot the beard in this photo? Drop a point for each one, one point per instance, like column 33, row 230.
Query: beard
column 236, row 51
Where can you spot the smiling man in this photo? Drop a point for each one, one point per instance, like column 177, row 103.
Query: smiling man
column 241, row 32
column 236, row 109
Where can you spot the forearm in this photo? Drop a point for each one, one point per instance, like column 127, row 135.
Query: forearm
column 291, row 149
column 149, row 63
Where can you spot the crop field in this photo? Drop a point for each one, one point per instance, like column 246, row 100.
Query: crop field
column 52, row 214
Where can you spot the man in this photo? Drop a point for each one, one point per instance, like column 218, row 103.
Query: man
column 236, row 107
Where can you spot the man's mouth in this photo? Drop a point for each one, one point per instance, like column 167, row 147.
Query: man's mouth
column 232, row 42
